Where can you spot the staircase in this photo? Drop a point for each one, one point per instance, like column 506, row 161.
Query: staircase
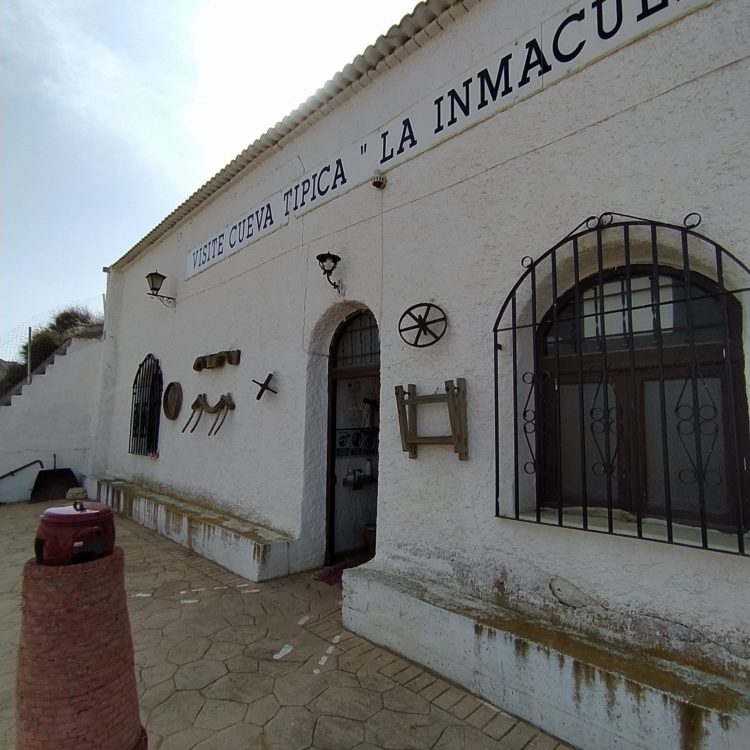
column 61, row 351
column 54, row 417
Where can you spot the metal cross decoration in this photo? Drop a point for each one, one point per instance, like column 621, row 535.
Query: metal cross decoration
column 422, row 325
column 264, row 386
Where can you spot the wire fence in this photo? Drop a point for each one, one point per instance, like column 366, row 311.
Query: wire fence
column 13, row 340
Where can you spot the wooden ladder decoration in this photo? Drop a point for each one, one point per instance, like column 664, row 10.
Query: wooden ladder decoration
column 454, row 397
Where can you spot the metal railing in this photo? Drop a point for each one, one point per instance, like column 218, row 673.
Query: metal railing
column 21, row 468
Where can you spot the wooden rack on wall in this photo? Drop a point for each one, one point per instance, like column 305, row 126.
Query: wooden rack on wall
column 454, row 397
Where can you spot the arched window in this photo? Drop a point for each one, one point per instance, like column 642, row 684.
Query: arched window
column 629, row 394
column 146, row 408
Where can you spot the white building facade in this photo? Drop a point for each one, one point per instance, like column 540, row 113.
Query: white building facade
column 563, row 191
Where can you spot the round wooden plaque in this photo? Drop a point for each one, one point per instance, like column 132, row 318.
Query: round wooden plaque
column 172, row 400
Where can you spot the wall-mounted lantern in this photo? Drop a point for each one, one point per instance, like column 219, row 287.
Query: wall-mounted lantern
column 155, row 280
column 328, row 263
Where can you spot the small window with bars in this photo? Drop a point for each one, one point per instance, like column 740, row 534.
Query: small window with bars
column 358, row 343
column 146, row 408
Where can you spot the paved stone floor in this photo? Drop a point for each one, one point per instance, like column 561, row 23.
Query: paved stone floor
column 225, row 664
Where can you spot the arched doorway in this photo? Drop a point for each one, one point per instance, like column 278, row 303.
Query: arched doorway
column 353, row 425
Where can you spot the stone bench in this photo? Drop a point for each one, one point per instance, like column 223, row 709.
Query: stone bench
column 247, row 549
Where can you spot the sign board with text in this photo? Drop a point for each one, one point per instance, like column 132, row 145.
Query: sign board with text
column 561, row 45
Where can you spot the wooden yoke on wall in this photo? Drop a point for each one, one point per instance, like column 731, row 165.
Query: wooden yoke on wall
column 455, row 398
column 214, row 361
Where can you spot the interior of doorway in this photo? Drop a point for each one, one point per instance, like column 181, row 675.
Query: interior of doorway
column 353, row 432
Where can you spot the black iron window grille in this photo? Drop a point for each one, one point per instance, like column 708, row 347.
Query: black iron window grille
column 146, row 408
column 359, row 342
column 620, row 383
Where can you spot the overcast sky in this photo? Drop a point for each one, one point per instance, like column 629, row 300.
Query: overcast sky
column 114, row 112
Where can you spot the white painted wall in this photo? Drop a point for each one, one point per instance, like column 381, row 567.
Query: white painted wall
column 657, row 129
column 52, row 415
column 654, row 130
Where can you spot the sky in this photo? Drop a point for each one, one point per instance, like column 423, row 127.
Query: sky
column 113, row 113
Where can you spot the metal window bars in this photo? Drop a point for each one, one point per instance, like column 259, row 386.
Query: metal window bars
column 620, row 382
column 358, row 342
column 146, row 408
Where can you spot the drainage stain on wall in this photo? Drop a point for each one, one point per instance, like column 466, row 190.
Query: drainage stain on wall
column 173, row 522
column 695, row 703
column 583, row 674
column 260, row 552
column 126, row 504
column 481, row 630
column 726, row 722
column 521, row 648
column 611, row 682
column 692, row 725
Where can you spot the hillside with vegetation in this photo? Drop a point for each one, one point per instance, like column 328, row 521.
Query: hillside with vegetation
column 72, row 322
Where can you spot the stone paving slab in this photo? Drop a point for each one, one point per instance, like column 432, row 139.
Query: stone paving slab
column 225, row 663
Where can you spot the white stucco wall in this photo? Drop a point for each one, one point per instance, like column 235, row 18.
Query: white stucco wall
column 653, row 130
column 656, row 129
column 52, row 415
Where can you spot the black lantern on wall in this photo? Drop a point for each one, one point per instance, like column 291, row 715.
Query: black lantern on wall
column 328, row 263
column 155, row 281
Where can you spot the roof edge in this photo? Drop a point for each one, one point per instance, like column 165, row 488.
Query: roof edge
column 427, row 20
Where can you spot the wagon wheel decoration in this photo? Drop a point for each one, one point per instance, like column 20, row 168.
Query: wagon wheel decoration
column 422, row 325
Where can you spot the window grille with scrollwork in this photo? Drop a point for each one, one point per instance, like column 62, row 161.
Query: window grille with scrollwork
column 619, row 362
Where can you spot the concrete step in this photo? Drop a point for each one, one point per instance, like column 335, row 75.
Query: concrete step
column 247, row 549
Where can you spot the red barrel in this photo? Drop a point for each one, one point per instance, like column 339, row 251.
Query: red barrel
column 75, row 683
column 74, row 534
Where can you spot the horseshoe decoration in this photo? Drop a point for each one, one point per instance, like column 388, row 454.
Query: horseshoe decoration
column 422, row 325
column 221, row 408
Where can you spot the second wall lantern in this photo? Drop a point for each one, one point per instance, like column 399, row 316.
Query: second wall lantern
column 328, row 263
